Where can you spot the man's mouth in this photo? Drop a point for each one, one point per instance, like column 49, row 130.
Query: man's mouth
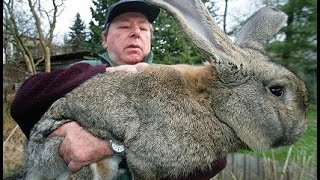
column 133, row 46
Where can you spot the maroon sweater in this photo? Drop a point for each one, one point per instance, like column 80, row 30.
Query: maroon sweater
column 37, row 94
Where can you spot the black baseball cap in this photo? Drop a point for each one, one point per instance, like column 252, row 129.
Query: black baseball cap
column 123, row 6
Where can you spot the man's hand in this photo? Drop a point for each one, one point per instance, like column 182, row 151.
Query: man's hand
column 79, row 148
column 128, row 68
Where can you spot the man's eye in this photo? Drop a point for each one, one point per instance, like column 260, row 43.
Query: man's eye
column 143, row 29
column 123, row 26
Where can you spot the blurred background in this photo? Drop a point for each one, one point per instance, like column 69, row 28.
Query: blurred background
column 41, row 36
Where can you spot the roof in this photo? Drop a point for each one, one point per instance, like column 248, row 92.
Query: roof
column 74, row 55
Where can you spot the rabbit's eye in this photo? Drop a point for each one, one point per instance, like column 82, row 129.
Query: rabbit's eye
column 277, row 91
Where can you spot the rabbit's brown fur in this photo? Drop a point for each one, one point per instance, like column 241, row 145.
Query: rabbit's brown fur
column 175, row 119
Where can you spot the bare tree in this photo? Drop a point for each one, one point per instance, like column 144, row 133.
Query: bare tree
column 212, row 7
column 225, row 15
column 16, row 23
column 14, row 31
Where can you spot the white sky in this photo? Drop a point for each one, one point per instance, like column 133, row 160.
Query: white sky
column 72, row 7
column 67, row 17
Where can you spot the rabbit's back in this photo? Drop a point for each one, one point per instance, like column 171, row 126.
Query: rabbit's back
column 163, row 113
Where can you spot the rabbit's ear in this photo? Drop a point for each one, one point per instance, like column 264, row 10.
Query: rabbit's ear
column 260, row 27
column 199, row 25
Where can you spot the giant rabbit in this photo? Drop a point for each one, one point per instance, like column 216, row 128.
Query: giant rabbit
column 173, row 119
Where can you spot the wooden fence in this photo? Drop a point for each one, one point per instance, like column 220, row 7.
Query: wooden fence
column 246, row 167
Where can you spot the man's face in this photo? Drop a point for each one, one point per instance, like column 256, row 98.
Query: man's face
column 129, row 38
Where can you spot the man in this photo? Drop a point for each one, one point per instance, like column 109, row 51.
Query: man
column 127, row 40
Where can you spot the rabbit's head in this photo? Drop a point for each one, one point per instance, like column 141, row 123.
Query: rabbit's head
column 262, row 102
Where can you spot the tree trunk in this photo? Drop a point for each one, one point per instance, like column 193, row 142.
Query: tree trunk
column 30, row 66
column 47, row 60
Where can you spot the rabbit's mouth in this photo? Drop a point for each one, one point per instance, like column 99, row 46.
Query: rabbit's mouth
column 283, row 141
column 290, row 138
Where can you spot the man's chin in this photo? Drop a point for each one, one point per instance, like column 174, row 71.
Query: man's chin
column 134, row 60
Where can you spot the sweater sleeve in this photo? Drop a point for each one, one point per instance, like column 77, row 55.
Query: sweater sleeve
column 39, row 92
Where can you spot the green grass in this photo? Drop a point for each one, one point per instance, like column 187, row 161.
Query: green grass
column 304, row 147
column 12, row 172
column 312, row 116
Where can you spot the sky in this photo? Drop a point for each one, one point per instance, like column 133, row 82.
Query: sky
column 72, row 7
column 67, row 16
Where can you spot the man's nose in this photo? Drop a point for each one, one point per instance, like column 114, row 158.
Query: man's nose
column 135, row 31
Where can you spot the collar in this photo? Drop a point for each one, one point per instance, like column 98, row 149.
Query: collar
column 105, row 59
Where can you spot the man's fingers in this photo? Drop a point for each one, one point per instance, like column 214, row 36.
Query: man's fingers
column 141, row 66
column 128, row 68
column 74, row 167
column 61, row 130
column 123, row 68
column 58, row 132
column 79, row 148
column 63, row 151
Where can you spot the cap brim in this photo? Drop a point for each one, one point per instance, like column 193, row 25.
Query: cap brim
column 150, row 12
